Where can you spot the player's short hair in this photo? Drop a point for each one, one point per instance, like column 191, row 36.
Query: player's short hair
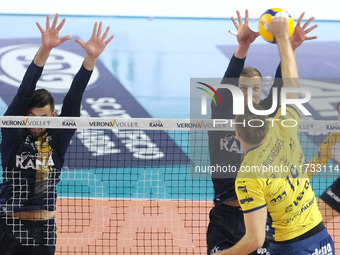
column 250, row 72
column 255, row 131
column 41, row 98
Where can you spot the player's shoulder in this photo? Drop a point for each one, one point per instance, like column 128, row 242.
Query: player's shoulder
column 251, row 174
column 289, row 112
column 286, row 121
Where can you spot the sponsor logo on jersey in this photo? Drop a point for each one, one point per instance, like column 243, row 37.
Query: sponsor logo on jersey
column 230, row 143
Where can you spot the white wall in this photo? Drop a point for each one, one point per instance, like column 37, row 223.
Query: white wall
column 322, row 10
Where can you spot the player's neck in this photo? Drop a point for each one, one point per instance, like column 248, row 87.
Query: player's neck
column 247, row 146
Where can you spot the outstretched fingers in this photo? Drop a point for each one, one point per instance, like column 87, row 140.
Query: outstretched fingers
column 47, row 21
column 106, row 32
column 235, row 23
column 246, row 20
column 98, row 34
column 300, row 19
column 63, row 39
column 82, row 44
column 55, row 21
column 54, row 24
column 100, row 29
column 311, row 38
column 109, row 40
column 308, row 22
column 61, row 24
column 311, row 28
column 40, row 27
column 96, row 44
column 94, row 31
column 239, row 17
column 307, row 30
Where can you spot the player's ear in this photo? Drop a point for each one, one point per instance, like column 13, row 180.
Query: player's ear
column 237, row 136
column 54, row 113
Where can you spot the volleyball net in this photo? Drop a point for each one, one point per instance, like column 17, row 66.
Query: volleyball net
column 143, row 186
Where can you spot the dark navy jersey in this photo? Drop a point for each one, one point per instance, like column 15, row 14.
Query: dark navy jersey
column 225, row 150
column 32, row 166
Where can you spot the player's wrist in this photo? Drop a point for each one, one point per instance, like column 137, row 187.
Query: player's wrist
column 242, row 51
column 282, row 37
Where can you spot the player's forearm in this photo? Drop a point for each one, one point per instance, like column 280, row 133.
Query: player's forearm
column 288, row 63
column 268, row 101
column 89, row 63
column 278, row 74
column 25, row 92
column 41, row 56
column 72, row 100
column 234, row 70
column 241, row 51
column 230, row 77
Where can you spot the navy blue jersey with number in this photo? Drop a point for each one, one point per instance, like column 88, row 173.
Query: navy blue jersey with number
column 32, row 166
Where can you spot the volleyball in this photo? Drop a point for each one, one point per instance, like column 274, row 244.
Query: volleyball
column 266, row 18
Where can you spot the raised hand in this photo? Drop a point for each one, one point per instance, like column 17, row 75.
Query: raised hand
column 49, row 39
column 96, row 44
column 278, row 27
column 50, row 36
column 245, row 36
column 299, row 35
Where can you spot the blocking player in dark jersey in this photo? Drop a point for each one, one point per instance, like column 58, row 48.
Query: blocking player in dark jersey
column 226, row 225
column 32, row 158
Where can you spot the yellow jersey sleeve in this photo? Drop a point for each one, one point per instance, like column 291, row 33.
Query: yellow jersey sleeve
column 290, row 121
column 250, row 194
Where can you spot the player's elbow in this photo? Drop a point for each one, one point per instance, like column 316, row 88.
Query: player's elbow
column 255, row 242
column 259, row 243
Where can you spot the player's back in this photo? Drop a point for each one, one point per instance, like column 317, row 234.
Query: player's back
column 276, row 178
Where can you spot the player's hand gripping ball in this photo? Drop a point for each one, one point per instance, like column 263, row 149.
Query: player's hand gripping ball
column 267, row 16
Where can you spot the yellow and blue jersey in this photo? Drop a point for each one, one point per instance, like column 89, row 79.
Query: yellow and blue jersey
column 273, row 175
